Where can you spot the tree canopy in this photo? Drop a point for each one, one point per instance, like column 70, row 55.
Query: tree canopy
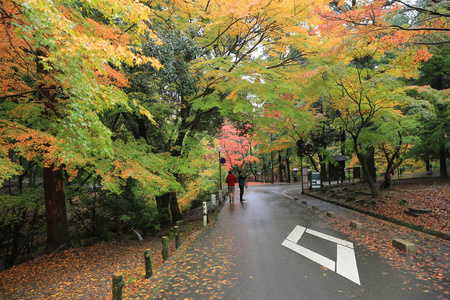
column 135, row 97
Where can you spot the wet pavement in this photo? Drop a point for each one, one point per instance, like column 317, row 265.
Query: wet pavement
column 275, row 245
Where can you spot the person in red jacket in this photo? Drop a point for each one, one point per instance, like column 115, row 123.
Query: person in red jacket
column 231, row 181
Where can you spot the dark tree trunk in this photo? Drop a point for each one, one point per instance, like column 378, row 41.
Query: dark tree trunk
column 280, row 166
column 168, row 209
column 17, row 236
column 391, row 165
column 370, row 158
column 55, row 210
column 288, row 166
column 271, row 161
column 264, row 172
column 443, row 163
column 323, row 170
column 55, row 202
column 174, row 208
column 373, row 187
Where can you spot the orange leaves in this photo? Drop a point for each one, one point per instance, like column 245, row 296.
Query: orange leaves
column 61, row 68
column 32, row 144
column 14, row 60
column 113, row 77
column 366, row 28
column 60, row 276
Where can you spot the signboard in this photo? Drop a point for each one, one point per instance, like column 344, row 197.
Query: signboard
column 222, row 160
column 315, row 180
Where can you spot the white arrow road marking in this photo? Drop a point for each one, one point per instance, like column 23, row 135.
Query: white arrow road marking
column 284, row 193
column 330, row 238
column 330, row 264
column 296, row 234
column 345, row 264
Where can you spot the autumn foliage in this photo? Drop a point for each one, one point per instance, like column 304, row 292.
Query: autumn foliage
column 82, row 94
column 236, row 148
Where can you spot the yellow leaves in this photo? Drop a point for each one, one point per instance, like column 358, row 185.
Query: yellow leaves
column 407, row 62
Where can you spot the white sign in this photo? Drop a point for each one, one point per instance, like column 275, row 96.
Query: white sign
column 345, row 264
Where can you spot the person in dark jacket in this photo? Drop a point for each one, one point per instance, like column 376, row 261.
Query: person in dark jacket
column 241, row 179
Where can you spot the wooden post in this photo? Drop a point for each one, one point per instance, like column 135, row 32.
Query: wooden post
column 148, row 263
column 117, row 285
column 165, row 247
column 177, row 237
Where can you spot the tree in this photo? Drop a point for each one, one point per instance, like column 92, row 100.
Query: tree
column 236, row 147
column 397, row 134
column 176, row 123
column 359, row 81
column 421, row 22
column 216, row 62
column 434, row 132
column 59, row 73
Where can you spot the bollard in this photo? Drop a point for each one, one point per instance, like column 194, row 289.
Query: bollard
column 213, row 202
column 220, row 196
column 165, row 248
column 177, row 236
column 205, row 214
column 117, row 285
column 148, row 263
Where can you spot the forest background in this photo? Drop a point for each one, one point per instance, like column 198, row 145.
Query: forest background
column 114, row 113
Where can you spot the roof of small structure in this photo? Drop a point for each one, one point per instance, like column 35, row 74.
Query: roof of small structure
column 340, row 158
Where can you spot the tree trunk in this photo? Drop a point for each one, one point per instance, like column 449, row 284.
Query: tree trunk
column 263, row 173
column 323, row 170
column 373, row 187
column 55, row 210
column 55, row 202
column 370, row 158
column 271, row 161
column 17, row 237
column 288, row 166
column 174, row 208
column 280, row 166
column 443, row 163
column 162, row 204
column 168, row 209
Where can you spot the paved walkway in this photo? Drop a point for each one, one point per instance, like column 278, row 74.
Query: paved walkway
column 241, row 256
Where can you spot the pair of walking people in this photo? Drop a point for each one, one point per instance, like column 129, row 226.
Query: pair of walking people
column 231, row 181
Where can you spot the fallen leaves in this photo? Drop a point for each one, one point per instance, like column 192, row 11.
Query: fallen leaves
column 414, row 193
column 81, row 273
column 430, row 263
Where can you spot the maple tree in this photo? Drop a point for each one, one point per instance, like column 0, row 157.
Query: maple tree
column 220, row 59
column 359, row 82
column 421, row 22
column 236, row 148
column 59, row 74
column 287, row 68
